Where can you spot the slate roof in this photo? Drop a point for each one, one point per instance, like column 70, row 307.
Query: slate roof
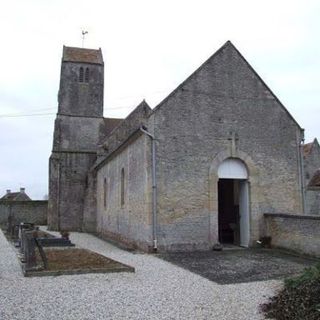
column 315, row 180
column 73, row 54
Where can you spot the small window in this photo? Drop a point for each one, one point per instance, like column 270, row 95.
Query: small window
column 105, row 186
column 86, row 76
column 122, row 188
column 81, row 74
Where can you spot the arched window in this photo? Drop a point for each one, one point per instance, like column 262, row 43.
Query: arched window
column 86, row 76
column 122, row 188
column 81, row 74
column 105, row 193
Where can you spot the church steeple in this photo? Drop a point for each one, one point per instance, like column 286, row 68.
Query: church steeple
column 81, row 82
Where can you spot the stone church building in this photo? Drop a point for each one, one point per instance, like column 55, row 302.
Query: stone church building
column 200, row 168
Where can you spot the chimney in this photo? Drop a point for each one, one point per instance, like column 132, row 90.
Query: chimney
column 22, row 190
column 8, row 191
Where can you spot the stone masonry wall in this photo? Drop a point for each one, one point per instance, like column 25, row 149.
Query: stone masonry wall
column 77, row 133
column 313, row 202
column 81, row 99
column 193, row 128
column 67, row 189
column 131, row 222
column 24, row 211
column 300, row 233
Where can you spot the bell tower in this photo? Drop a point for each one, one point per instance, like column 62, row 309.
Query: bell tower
column 81, row 82
column 77, row 132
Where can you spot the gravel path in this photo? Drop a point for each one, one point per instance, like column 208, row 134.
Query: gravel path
column 157, row 290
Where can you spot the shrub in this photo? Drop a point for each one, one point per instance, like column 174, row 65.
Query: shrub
column 298, row 300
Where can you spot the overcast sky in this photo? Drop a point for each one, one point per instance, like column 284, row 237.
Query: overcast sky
column 149, row 47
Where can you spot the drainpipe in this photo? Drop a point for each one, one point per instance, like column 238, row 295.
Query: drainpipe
column 302, row 175
column 154, row 188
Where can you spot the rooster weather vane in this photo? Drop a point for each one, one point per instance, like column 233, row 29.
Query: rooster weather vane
column 83, row 37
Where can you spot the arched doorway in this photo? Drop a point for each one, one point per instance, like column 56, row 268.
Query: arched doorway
column 233, row 203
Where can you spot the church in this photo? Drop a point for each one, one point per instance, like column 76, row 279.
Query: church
column 201, row 168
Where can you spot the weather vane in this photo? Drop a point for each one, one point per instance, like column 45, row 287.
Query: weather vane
column 83, row 37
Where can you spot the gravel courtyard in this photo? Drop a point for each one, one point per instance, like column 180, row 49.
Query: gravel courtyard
column 157, row 290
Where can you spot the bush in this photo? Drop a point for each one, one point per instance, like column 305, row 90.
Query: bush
column 298, row 300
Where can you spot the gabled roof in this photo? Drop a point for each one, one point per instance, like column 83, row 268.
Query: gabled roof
column 307, row 148
column 228, row 44
column 122, row 133
column 73, row 54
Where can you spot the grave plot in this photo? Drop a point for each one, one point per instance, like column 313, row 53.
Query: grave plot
column 42, row 254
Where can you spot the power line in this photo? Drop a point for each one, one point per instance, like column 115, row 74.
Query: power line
column 47, row 114
column 25, row 115
column 18, row 115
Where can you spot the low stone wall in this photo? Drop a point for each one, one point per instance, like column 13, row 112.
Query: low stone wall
column 299, row 233
column 24, row 211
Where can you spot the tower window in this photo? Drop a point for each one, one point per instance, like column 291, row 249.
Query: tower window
column 81, row 74
column 122, row 188
column 86, row 76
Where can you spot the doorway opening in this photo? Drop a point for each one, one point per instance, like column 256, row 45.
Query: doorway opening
column 233, row 203
column 228, row 211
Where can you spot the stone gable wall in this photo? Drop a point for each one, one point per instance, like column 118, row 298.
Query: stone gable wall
column 193, row 129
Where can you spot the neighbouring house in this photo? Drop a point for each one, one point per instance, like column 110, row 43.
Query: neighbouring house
column 200, row 168
column 311, row 153
column 16, row 196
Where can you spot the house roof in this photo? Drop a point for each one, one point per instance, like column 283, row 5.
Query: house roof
column 315, row 180
column 16, row 196
column 73, row 54
column 307, row 148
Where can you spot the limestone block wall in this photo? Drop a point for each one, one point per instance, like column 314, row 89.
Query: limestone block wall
column 300, row 233
column 24, row 211
column 130, row 220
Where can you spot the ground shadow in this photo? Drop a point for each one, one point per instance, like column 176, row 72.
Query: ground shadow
column 240, row 265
